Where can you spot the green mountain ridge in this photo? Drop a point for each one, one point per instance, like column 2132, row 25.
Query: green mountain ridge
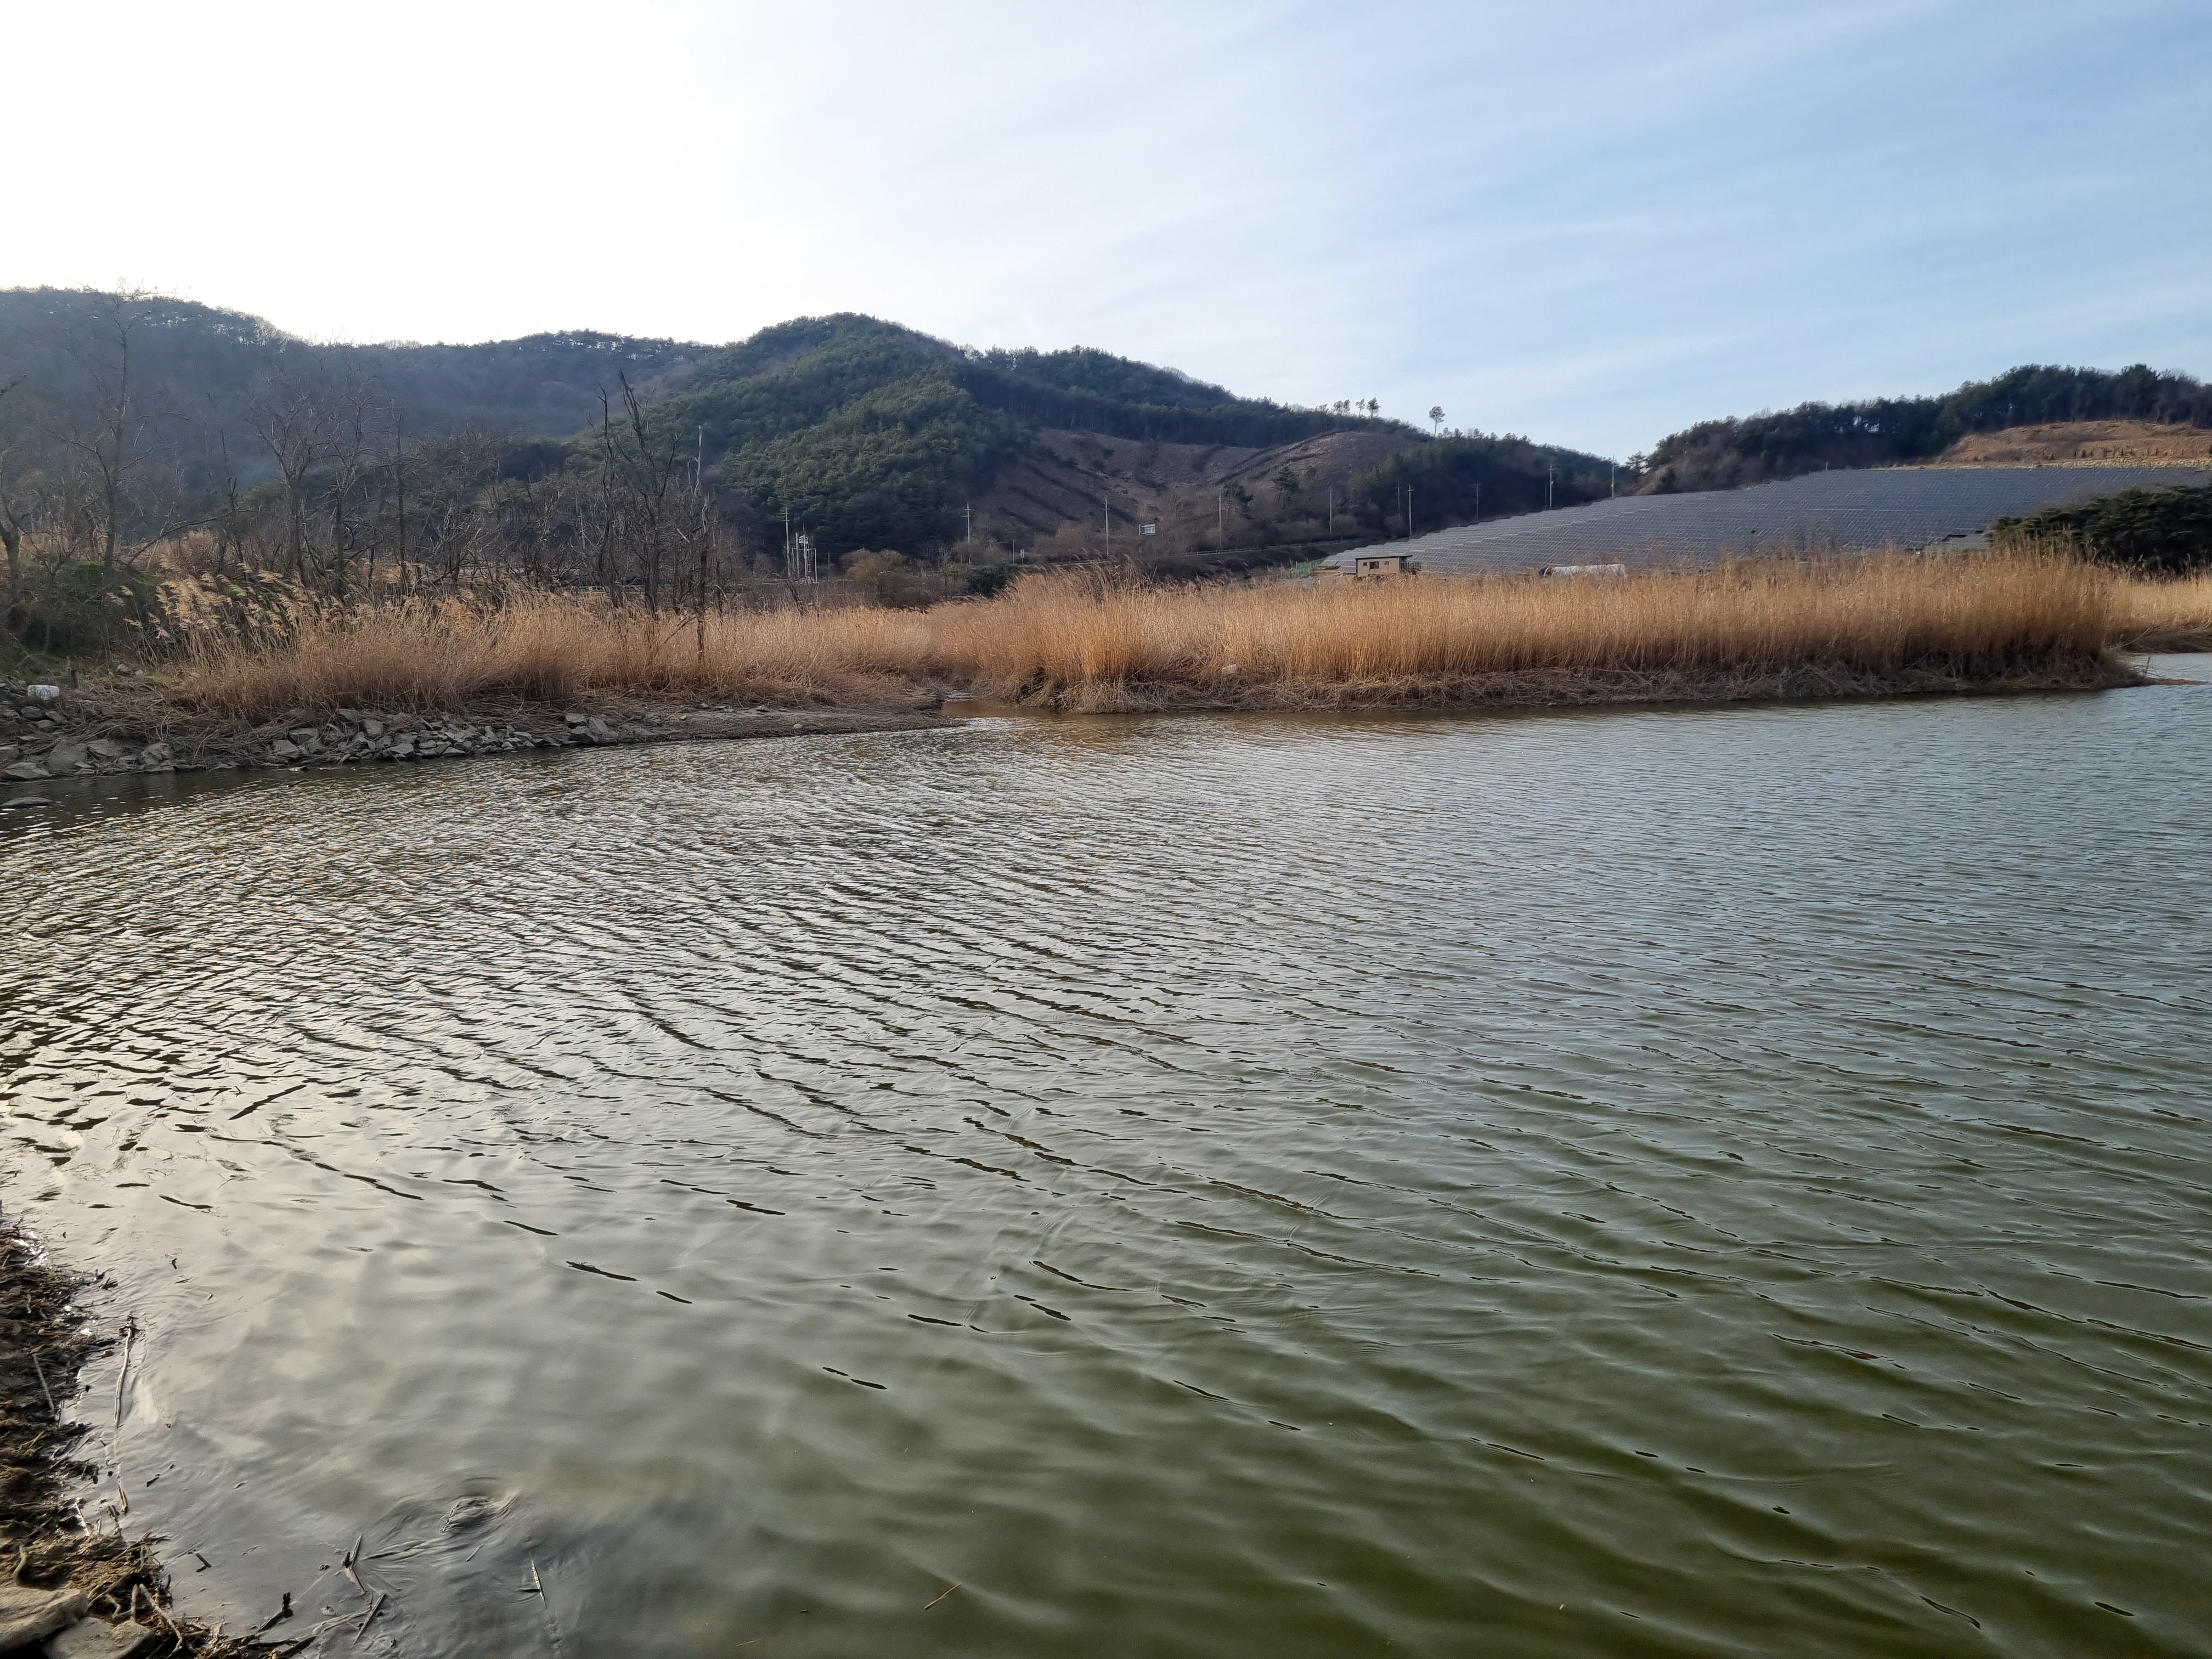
column 1724, row 454
column 868, row 433
column 873, row 435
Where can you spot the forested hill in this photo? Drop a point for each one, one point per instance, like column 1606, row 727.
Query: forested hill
column 870, row 433
column 198, row 371
column 1889, row 431
column 873, row 435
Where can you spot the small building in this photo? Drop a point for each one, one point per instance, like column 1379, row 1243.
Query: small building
column 1368, row 561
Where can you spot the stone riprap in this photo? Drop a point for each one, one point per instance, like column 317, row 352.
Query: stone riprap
column 85, row 734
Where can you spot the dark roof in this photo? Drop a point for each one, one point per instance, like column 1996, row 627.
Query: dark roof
column 1899, row 506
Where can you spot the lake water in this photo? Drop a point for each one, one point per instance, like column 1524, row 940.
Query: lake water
column 1687, row 1181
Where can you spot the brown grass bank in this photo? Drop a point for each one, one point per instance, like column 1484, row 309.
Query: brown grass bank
column 551, row 649
column 1842, row 628
column 1085, row 641
column 2164, row 616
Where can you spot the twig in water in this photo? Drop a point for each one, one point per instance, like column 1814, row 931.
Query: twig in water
column 552, row 1625
column 43, row 1388
column 352, row 1571
column 949, row 1588
column 279, row 1616
column 375, row 1607
column 160, row 1612
column 129, row 1335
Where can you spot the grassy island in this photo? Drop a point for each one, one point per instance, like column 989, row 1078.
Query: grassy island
column 497, row 671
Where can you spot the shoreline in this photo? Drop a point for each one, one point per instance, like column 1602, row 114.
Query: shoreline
column 110, row 732
column 1577, row 687
column 120, row 729
column 100, row 1592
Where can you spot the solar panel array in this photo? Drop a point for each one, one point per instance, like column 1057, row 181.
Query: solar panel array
column 1889, row 506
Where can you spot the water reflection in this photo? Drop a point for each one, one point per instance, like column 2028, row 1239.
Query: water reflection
column 1625, row 1182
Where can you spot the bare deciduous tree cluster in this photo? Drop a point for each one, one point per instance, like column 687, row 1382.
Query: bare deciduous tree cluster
column 98, row 487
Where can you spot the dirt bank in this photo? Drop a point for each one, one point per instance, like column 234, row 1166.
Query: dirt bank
column 122, row 727
column 1568, row 688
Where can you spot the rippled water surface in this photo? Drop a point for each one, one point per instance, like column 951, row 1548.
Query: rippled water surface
column 1717, row 1182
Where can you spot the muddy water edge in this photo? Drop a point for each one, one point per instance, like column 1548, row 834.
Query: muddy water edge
column 1596, row 1180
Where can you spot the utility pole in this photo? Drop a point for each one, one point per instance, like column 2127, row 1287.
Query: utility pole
column 1478, row 500
column 1551, row 471
column 1107, row 502
column 1612, row 479
column 1409, row 513
column 1220, row 512
column 970, row 511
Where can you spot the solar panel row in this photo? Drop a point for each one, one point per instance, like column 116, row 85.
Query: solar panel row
column 1893, row 507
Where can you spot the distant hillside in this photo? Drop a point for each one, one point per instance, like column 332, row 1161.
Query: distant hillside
column 864, row 433
column 2083, row 443
column 197, row 371
column 1889, row 431
column 874, row 435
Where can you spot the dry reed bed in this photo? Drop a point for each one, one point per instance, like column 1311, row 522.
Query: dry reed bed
column 1872, row 624
column 554, row 650
column 2164, row 616
column 1083, row 642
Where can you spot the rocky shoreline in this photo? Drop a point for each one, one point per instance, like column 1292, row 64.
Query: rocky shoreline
column 51, row 733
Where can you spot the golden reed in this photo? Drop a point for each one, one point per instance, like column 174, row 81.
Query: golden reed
column 1078, row 640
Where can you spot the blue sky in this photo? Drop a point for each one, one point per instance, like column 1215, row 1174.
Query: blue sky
column 1592, row 223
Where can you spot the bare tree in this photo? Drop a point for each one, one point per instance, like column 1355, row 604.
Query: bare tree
column 642, row 479
column 108, row 440
column 291, row 413
column 352, row 410
column 15, row 483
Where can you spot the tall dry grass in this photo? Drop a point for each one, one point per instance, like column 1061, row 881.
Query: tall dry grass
column 1857, row 623
column 2164, row 616
column 552, row 649
column 1083, row 642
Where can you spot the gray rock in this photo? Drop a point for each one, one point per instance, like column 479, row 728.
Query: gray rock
column 155, row 754
column 283, row 750
column 10, row 752
column 93, row 1639
column 65, row 757
column 372, row 728
column 598, row 731
column 303, row 734
column 576, row 719
column 13, row 801
column 104, row 748
column 43, row 693
column 23, row 771
column 26, row 1614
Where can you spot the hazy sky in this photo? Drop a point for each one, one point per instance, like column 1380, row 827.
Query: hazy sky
column 1592, row 223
